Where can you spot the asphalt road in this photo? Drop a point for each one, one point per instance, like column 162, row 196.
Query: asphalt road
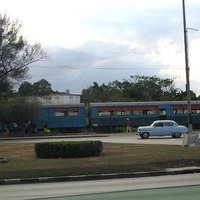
column 162, row 187
column 111, row 138
column 178, row 193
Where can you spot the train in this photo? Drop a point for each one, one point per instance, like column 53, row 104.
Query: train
column 105, row 117
column 110, row 117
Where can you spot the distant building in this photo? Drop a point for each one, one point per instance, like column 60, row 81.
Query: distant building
column 60, row 98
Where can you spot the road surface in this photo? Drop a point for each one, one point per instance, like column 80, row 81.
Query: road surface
column 185, row 186
column 113, row 138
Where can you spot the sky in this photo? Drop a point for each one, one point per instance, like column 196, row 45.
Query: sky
column 106, row 40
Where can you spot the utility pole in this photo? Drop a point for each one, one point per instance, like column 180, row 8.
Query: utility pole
column 187, row 68
column 192, row 138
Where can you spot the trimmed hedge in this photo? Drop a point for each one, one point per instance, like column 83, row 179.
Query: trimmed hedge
column 68, row 149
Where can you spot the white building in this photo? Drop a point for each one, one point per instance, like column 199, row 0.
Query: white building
column 56, row 99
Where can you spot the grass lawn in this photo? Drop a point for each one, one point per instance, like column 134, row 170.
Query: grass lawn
column 116, row 158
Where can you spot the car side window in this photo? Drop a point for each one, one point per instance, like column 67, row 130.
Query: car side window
column 168, row 124
column 159, row 124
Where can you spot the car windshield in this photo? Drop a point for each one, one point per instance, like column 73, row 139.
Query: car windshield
column 153, row 124
column 175, row 124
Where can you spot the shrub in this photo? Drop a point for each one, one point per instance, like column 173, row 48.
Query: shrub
column 69, row 149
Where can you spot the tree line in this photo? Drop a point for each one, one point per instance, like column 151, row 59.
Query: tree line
column 136, row 88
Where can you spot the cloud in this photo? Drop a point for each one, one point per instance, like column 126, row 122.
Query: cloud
column 109, row 40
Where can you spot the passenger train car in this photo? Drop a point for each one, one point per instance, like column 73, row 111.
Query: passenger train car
column 62, row 118
column 65, row 118
column 107, row 117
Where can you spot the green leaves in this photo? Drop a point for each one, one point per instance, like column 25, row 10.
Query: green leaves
column 18, row 110
column 70, row 149
column 136, row 88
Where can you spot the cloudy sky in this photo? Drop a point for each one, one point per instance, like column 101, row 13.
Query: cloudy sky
column 107, row 40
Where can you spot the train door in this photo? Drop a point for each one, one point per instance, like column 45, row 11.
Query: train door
column 165, row 111
column 162, row 113
column 111, row 121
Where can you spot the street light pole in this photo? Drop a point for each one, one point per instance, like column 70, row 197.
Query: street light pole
column 192, row 139
column 187, row 71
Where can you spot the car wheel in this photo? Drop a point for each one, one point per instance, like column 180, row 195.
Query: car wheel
column 145, row 135
column 177, row 135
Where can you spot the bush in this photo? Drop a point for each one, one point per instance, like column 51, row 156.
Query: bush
column 69, row 149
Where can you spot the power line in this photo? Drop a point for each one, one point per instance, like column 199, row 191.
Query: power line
column 109, row 67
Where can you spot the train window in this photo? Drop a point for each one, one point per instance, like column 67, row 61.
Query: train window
column 137, row 112
column 162, row 112
column 127, row 112
column 73, row 113
column 197, row 111
column 60, row 113
column 179, row 111
column 103, row 113
column 176, row 111
column 152, row 112
column 117, row 113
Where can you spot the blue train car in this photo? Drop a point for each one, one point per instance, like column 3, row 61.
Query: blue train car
column 106, row 117
column 65, row 118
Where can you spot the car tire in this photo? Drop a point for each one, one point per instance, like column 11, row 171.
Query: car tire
column 176, row 135
column 145, row 135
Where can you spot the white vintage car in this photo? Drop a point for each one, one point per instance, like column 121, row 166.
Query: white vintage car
column 162, row 128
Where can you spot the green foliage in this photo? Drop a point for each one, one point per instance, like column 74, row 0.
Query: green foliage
column 136, row 88
column 70, row 149
column 6, row 87
column 41, row 87
column 25, row 89
column 18, row 110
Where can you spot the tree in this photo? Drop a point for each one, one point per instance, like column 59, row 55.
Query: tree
column 6, row 87
column 42, row 87
column 136, row 88
column 26, row 89
column 146, row 88
column 15, row 52
column 96, row 93
column 39, row 88
column 19, row 110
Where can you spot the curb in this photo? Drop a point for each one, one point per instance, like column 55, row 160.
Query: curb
column 52, row 137
column 99, row 177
